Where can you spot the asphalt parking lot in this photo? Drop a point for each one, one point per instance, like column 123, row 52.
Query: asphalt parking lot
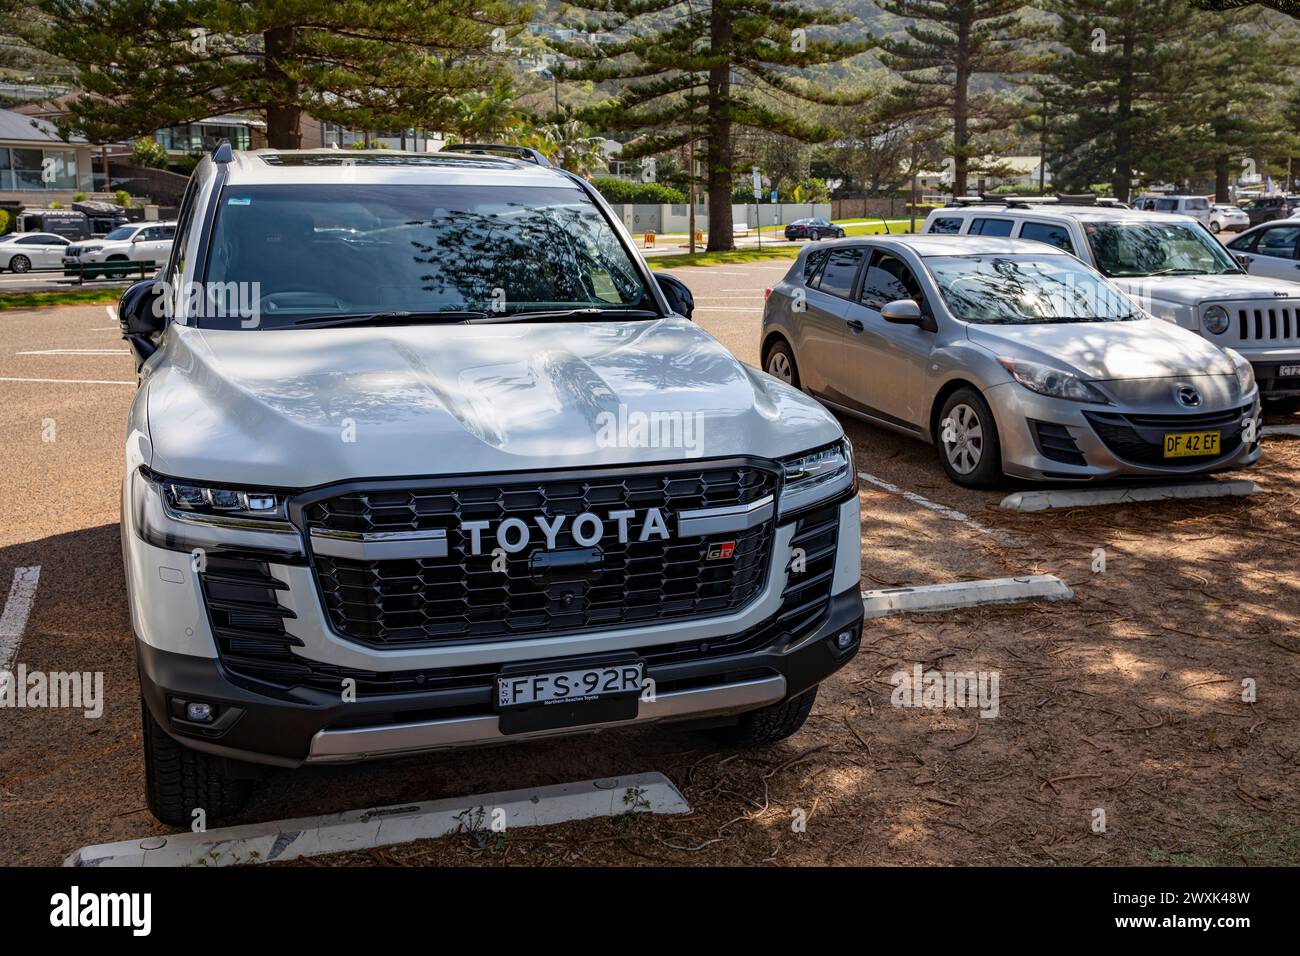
column 1127, row 700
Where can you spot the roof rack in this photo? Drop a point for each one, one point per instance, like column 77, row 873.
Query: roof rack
column 222, row 152
column 526, row 153
column 1029, row 202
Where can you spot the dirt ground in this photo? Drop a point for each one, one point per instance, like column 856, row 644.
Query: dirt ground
column 1126, row 700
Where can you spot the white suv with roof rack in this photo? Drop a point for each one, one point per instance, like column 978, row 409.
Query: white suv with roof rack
column 424, row 456
column 1171, row 265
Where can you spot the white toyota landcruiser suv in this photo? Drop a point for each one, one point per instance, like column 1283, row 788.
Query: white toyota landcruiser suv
column 127, row 249
column 1172, row 266
column 423, row 456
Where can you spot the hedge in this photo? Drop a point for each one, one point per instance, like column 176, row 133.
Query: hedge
column 625, row 191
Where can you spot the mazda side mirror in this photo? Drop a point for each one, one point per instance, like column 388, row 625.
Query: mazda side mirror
column 903, row 312
column 678, row 295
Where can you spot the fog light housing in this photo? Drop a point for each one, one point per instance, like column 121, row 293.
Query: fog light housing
column 844, row 640
column 198, row 712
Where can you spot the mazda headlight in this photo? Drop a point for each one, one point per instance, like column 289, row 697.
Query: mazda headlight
column 816, row 475
column 1053, row 382
column 1215, row 319
column 1245, row 373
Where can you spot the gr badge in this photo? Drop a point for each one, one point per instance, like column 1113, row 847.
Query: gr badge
column 721, row 552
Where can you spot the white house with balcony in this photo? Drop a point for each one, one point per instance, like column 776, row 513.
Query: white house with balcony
column 38, row 167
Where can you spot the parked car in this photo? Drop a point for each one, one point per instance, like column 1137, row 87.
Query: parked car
column 813, row 229
column 1225, row 217
column 131, row 249
column 1267, row 208
column 1198, row 207
column 1270, row 250
column 1012, row 357
column 1174, row 268
column 385, row 510
column 25, row 251
column 69, row 223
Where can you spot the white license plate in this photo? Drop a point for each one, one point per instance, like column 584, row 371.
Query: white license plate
column 1289, row 371
column 586, row 683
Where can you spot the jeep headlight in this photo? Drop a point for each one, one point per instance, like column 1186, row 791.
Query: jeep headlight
column 1215, row 319
column 1245, row 373
column 1053, row 382
column 816, row 475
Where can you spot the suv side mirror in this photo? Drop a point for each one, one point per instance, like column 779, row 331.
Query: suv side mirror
column 677, row 294
column 903, row 312
column 141, row 313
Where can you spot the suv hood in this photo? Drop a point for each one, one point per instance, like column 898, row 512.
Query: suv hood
column 295, row 408
column 1108, row 351
column 1204, row 289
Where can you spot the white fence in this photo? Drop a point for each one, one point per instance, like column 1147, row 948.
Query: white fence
column 675, row 217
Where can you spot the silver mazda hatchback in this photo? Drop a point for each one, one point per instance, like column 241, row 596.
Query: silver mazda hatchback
column 1013, row 357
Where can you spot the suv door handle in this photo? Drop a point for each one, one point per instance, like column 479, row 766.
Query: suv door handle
column 857, row 326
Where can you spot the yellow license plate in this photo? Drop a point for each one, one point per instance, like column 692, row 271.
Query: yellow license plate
column 1191, row 444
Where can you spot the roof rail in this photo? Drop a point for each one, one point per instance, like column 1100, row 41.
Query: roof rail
column 526, row 153
column 222, row 153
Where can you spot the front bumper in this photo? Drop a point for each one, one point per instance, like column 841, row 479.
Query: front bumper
column 305, row 725
column 1071, row 447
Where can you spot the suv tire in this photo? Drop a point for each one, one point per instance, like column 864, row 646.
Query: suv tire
column 769, row 724
column 976, row 463
column 779, row 363
column 179, row 780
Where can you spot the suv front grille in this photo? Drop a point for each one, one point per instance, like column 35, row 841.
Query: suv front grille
column 464, row 597
column 235, row 585
column 1269, row 324
column 1140, row 438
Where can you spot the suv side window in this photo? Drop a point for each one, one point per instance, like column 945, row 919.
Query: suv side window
column 1047, row 232
column 840, row 271
column 991, row 227
column 888, row 278
column 176, row 265
column 1166, row 205
column 946, row 225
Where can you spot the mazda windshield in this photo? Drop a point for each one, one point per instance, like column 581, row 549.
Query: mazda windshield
column 1026, row 289
column 343, row 254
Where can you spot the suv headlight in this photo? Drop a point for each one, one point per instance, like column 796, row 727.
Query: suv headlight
column 1053, row 382
column 1215, row 319
column 188, row 516
column 816, row 475
column 1245, row 373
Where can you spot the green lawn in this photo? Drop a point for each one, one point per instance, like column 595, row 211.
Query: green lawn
column 721, row 258
column 36, row 300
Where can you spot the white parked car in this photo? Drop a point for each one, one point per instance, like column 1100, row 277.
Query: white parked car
column 1171, row 266
column 1226, row 217
column 25, row 251
column 1198, row 207
column 1271, row 249
column 131, row 249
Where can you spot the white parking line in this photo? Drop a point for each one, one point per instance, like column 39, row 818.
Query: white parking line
column 17, row 608
column 946, row 597
column 951, row 514
column 1088, row 498
column 66, row 381
column 76, row 352
column 385, row 826
column 1286, row 431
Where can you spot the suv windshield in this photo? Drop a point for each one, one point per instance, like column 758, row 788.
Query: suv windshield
column 1026, row 290
column 121, row 233
column 1123, row 249
column 345, row 249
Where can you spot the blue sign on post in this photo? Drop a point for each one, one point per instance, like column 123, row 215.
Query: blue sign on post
column 773, row 195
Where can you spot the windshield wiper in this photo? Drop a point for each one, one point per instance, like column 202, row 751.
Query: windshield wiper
column 1180, row 272
column 578, row 314
column 389, row 318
